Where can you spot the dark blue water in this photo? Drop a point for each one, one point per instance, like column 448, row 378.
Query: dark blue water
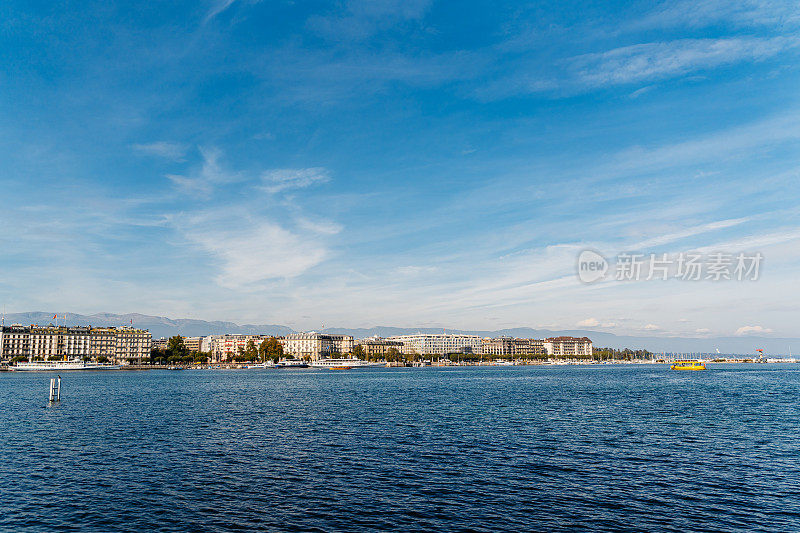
column 484, row 449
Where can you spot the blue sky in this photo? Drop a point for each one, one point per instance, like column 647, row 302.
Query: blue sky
column 408, row 163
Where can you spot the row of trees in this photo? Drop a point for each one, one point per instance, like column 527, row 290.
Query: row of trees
column 626, row 354
column 272, row 350
column 176, row 352
column 268, row 350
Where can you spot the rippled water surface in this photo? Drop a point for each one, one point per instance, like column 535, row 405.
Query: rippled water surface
column 512, row 448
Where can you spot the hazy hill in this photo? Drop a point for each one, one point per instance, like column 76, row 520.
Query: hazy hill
column 165, row 327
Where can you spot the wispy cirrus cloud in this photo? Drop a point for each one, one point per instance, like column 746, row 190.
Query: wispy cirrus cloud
column 689, row 232
column 702, row 13
column 652, row 61
column 283, row 179
column 203, row 180
column 250, row 237
column 167, row 150
column 359, row 19
column 630, row 65
column 218, row 7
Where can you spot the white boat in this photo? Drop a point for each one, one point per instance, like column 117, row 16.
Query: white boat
column 57, row 366
column 339, row 364
column 292, row 363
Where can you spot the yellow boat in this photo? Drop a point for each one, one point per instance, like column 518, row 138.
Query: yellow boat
column 688, row 365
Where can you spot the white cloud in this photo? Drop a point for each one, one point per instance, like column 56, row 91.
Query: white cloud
column 777, row 130
column 649, row 61
column 293, row 178
column 702, row 331
column 167, row 150
column 594, row 323
column 261, row 253
column 651, row 327
column 323, row 227
column 412, row 270
column 689, row 232
column 219, row 7
column 702, row 13
column 752, row 330
column 210, row 174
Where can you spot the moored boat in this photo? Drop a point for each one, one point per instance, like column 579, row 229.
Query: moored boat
column 339, row 364
column 292, row 363
column 57, row 366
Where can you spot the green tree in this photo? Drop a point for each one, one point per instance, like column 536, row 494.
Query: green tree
column 251, row 351
column 358, row 352
column 176, row 348
column 270, row 349
column 158, row 356
column 393, row 354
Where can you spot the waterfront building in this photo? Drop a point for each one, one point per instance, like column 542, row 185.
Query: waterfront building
column 567, row 346
column 378, row 347
column 193, row 344
column 205, row 344
column 133, row 345
column 63, row 343
column 438, row 343
column 225, row 347
column 103, row 343
column 315, row 345
column 14, row 341
column 509, row 346
column 59, row 342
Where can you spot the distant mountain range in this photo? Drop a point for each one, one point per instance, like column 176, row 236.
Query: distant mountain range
column 166, row 327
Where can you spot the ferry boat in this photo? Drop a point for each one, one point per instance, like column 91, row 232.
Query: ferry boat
column 339, row 364
column 57, row 366
column 292, row 363
column 688, row 365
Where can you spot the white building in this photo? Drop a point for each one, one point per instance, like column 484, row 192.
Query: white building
column 566, row 346
column 14, row 340
column 438, row 343
column 132, row 345
column 316, row 345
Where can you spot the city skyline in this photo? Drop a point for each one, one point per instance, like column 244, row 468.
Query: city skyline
column 400, row 163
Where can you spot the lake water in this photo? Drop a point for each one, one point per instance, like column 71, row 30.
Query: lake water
column 558, row 448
